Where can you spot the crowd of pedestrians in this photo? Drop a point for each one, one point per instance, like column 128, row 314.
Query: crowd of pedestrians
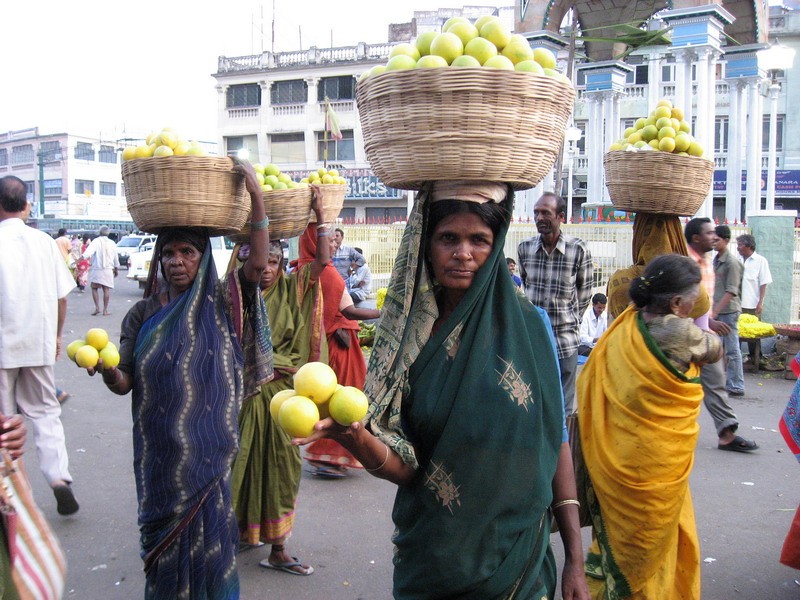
column 215, row 475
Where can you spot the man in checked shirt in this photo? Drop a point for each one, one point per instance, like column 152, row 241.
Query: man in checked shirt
column 556, row 272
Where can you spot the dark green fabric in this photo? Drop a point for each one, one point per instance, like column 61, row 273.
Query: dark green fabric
column 484, row 416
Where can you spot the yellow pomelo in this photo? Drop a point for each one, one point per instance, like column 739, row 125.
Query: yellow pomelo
column 348, row 405
column 315, row 380
column 662, row 111
column 87, row 356
column 278, row 400
column 109, row 356
column 666, row 144
column 72, row 348
column 297, row 416
column 129, row 153
column 97, row 337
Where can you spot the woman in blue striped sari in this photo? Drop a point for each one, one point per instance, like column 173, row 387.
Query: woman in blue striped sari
column 183, row 352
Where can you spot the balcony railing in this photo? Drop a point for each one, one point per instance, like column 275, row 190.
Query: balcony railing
column 243, row 113
column 288, row 110
column 339, row 106
column 312, row 56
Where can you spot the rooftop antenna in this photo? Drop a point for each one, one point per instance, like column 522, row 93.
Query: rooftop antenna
column 273, row 27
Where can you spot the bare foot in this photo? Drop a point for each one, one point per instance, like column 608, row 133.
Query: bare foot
column 96, row 312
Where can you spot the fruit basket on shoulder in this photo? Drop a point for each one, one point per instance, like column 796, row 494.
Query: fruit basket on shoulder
column 287, row 211
column 657, row 182
column 484, row 124
column 185, row 191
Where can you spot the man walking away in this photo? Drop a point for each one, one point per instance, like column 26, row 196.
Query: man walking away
column 103, row 269
column 34, row 284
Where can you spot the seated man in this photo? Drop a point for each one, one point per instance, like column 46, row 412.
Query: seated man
column 359, row 280
column 593, row 324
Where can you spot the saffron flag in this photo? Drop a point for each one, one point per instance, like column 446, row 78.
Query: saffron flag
column 332, row 121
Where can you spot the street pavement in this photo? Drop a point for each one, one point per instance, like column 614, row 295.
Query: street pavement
column 744, row 502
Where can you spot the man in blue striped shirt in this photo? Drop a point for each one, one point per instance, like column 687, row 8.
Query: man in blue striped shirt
column 556, row 272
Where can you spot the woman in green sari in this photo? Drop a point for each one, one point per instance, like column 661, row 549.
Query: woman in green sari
column 266, row 473
column 467, row 415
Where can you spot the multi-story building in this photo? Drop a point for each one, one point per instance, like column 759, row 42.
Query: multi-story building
column 273, row 105
column 69, row 177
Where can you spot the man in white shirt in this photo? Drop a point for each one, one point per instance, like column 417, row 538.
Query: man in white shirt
column 359, row 282
column 103, row 269
column 34, row 284
column 755, row 279
column 593, row 324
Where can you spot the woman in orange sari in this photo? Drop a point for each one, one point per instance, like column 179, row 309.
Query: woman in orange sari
column 340, row 317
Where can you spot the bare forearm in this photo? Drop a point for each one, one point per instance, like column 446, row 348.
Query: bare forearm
column 567, row 514
column 351, row 312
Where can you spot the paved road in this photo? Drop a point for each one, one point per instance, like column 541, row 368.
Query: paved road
column 744, row 503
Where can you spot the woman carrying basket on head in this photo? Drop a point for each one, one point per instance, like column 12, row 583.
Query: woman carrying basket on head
column 467, row 415
column 640, row 389
column 183, row 352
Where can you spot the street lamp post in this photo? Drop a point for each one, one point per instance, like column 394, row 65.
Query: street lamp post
column 45, row 157
column 775, row 58
column 572, row 135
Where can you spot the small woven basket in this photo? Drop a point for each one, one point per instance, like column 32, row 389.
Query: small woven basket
column 463, row 123
column 658, row 182
column 287, row 211
column 332, row 202
column 185, row 191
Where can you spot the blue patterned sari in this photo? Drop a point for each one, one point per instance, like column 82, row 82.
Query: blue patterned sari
column 188, row 386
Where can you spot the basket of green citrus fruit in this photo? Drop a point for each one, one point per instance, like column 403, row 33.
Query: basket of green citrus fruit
column 658, row 166
column 470, row 102
column 170, row 182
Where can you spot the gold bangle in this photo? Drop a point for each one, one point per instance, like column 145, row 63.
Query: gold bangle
column 383, row 464
column 560, row 503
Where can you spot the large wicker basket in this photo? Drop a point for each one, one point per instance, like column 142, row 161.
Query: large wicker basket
column 287, row 211
column 185, row 191
column 332, row 202
column 463, row 123
column 658, row 182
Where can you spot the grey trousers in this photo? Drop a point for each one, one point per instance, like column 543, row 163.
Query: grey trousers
column 569, row 366
column 715, row 396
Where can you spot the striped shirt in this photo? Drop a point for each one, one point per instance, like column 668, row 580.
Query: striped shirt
column 560, row 283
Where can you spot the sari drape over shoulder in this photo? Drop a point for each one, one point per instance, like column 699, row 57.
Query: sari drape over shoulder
column 266, row 473
column 476, row 409
column 188, row 385
column 638, row 425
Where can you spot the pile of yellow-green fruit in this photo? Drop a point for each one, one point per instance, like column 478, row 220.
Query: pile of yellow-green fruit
column 164, row 143
column 485, row 43
column 324, row 177
column 664, row 129
column 381, row 298
column 750, row 327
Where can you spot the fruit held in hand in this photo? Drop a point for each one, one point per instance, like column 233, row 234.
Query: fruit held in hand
column 297, row 416
column 73, row 347
column 97, row 337
column 277, row 401
column 348, row 405
column 87, row 356
column 110, row 356
column 315, row 380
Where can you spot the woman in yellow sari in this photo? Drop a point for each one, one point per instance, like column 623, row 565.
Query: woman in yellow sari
column 639, row 397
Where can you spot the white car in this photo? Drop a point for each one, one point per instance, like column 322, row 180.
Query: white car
column 139, row 262
column 131, row 244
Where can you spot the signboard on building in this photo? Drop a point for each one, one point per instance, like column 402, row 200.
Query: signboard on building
column 362, row 184
column 787, row 183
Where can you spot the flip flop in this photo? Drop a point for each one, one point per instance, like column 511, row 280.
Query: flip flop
column 95, row 313
column 739, row 444
column 287, row 567
column 327, row 473
column 65, row 499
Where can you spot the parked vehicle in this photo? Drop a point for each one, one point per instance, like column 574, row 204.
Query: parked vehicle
column 139, row 262
column 131, row 244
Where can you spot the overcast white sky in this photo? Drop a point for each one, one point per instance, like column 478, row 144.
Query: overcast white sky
column 108, row 68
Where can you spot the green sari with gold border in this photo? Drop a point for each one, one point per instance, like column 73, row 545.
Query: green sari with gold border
column 476, row 409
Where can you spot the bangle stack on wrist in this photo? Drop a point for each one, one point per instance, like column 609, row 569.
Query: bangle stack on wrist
column 260, row 225
column 566, row 502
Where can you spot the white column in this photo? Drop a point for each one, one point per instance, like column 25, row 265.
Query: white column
column 611, row 128
column 733, row 187
column 311, row 119
column 654, row 79
column 706, row 115
column 594, row 149
column 754, row 118
column 772, row 164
